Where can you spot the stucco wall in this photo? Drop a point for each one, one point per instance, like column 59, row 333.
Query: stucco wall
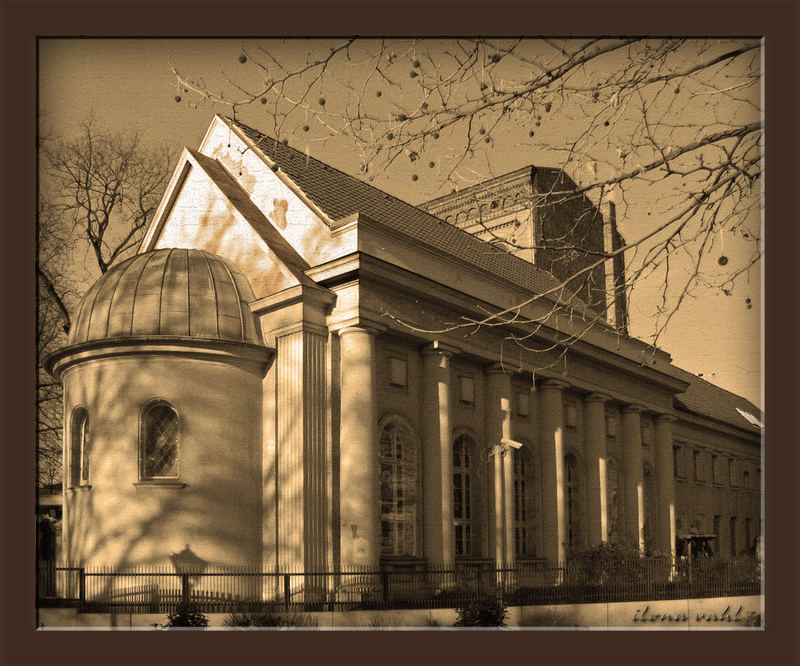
column 217, row 515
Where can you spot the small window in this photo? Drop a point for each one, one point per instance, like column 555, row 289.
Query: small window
column 647, row 434
column 717, row 520
column 160, row 445
column 523, row 404
column 679, row 461
column 611, row 425
column 746, row 480
column 466, row 390
column 79, row 449
column 732, row 480
column 398, row 372
column 570, row 414
column 715, row 470
column 697, row 465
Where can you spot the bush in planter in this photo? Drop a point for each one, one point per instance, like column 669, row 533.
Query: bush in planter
column 486, row 612
column 267, row 617
column 187, row 615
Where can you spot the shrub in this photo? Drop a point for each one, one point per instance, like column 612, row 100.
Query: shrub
column 486, row 612
column 187, row 615
column 268, row 618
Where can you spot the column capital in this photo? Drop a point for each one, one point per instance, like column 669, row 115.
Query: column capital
column 633, row 409
column 436, row 347
column 597, row 397
column 555, row 384
column 666, row 418
column 498, row 369
column 370, row 329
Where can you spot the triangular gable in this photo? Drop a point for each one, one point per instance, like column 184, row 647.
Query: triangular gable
column 205, row 208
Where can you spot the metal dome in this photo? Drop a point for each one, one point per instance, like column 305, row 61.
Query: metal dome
column 170, row 293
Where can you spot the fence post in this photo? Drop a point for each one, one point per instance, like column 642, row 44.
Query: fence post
column 385, row 585
column 287, row 591
column 185, row 588
column 82, row 586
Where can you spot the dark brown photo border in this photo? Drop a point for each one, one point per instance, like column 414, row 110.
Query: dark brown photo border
column 22, row 22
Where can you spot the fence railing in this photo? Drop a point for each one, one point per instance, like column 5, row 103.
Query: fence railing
column 161, row 590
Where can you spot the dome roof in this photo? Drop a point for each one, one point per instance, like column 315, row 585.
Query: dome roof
column 171, row 293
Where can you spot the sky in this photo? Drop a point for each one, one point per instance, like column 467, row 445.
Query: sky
column 129, row 85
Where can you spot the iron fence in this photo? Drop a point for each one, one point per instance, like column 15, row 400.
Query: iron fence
column 162, row 590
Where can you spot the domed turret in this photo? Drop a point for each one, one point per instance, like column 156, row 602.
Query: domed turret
column 184, row 293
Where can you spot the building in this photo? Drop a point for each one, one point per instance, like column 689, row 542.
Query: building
column 276, row 380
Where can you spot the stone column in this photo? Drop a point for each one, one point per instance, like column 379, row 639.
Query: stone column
column 301, row 450
column 358, row 458
column 498, row 427
column 665, row 485
column 633, row 534
column 554, row 518
column 596, row 491
column 437, row 458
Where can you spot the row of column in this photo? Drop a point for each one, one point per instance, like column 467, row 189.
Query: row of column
column 554, row 511
column 359, row 466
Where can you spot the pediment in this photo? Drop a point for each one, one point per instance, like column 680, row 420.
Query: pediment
column 206, row 208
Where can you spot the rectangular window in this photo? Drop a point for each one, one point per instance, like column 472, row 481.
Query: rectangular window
column 733, row 537
column 717, row 520
column 746, row 480
column 676, row 468
column 570, row 414
column 398, row 372
column 611, row 425
column 523, row 404
column 715, row 471
column 646, row 435
column 732, row 473
column 697, row 463
column 466, row 387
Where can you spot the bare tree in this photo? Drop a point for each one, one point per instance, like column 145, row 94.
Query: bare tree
column 671, row 129
column 98, row 192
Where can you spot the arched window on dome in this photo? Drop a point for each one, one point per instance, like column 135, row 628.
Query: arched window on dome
column 79, row 448
column 399, row 489
column 160, row 445
column 462, row 494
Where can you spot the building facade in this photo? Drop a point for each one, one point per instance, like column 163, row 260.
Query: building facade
column 290, row 375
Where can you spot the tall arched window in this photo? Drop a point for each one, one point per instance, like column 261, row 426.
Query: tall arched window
column 521, row 493
column 399, row 491
column 648, row 492
column 462, row 494
column 525, row 509
column 612, row 488
column 160, row 442
column 572, row 491
column 79, row 448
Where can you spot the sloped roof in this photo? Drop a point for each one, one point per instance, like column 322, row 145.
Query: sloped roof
column 340, row 195
column 705, row 399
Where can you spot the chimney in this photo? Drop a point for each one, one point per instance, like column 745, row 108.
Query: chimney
column 617, row 311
